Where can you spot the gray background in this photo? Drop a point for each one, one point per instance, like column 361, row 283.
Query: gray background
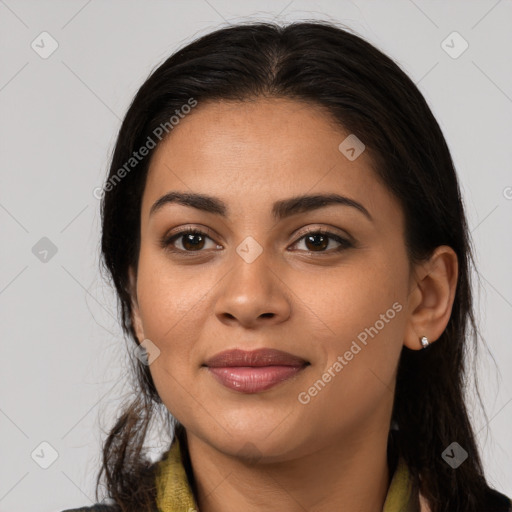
column 63, row 360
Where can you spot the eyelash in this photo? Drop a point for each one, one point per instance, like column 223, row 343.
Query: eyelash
column 166, row 242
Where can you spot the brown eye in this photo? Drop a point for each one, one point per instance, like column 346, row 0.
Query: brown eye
column 318, row 241
column 191, row 240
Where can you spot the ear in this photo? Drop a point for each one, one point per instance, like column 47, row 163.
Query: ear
column 430, row 301
column 135, row 312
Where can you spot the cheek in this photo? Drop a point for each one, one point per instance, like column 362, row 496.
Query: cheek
column 357, row 377
column 168, row 296
column 175, row 307
column 364, row 309
column 167, row 311
column 346, row 301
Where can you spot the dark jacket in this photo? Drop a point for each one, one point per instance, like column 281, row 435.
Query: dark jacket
column 500, row 504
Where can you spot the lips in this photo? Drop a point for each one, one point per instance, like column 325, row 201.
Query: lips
column 254, row 358
column 254, row 371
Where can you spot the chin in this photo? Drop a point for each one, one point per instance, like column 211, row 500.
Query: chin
column 256, row 443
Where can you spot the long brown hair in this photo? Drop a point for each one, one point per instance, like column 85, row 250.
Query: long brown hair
column 368, row 94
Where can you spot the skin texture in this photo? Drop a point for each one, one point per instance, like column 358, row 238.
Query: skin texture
column 269, row 451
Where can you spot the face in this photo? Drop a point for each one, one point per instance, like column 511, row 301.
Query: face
column 327, row 284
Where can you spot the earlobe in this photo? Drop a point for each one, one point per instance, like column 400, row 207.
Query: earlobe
column 135, row 312
column 431, row 300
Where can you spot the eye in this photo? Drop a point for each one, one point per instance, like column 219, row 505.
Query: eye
column 191, row 240
column 318, row 240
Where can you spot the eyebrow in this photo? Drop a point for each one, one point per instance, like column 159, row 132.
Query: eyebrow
column 280, row 209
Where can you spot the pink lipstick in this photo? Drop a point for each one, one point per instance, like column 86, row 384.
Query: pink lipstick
column 254, row 371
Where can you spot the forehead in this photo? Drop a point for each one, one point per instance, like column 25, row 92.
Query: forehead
column 257, row 152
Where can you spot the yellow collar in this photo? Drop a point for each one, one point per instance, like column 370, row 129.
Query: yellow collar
column 175, row 495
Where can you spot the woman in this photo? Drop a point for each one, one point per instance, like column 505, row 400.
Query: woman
column 283, row 225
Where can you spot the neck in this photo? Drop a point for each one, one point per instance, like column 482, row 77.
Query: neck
column 352, row 475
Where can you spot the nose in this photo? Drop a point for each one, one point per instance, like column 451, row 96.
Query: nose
column 253, row 294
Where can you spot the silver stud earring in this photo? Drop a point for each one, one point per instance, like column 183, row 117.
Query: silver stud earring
column 424, row 342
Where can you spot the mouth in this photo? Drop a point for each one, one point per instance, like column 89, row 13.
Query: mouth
column 254, row 371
